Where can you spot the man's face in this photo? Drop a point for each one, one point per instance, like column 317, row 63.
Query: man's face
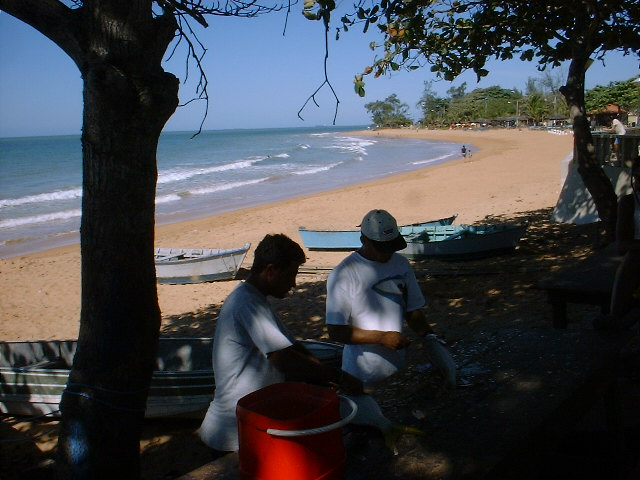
column 380, row 256
column 281, row 281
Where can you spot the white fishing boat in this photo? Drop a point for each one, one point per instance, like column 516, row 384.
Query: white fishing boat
column 33, row 375
column 198, row 265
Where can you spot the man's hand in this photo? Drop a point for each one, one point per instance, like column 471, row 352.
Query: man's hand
column 394, row 340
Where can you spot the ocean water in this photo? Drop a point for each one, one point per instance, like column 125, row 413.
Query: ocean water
column 217, row 171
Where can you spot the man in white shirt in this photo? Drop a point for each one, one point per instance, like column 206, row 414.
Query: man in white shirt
column 618, row 128
column 370, row 295
column 253, row 349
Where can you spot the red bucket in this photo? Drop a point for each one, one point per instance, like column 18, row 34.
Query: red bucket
column 291, row 431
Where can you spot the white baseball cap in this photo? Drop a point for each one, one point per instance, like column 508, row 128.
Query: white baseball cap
column 381, row 228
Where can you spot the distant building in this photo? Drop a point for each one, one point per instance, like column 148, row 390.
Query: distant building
column 562, row 120
column 603, row 116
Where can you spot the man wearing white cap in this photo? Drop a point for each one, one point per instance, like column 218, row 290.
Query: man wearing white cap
column 369, row 296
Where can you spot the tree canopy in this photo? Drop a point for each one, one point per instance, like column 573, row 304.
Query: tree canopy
column 622, row 93
column 390, row 112
column 118, row 47
column 457, row 35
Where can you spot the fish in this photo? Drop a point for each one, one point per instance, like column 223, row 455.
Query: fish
column 441, row 359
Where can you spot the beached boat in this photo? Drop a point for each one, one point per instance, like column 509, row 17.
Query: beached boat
column 463, row 241
column 198, row 265
column 33, row 375
column 350, row 239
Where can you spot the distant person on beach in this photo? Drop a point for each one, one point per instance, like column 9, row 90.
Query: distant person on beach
column 370, row 295
column 253, row 349
column 625, row 297
column 464, row 151
column 618, row 129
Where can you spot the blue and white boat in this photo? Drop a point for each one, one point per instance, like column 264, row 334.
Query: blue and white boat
column 350, row 239
column 462, row 242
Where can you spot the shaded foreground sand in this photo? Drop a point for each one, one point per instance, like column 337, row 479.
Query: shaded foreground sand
column 510, row 171
column 515, row 175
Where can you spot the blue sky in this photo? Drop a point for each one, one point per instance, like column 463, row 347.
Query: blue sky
column 257, row 78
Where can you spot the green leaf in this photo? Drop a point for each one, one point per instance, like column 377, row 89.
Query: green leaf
column 310, row 15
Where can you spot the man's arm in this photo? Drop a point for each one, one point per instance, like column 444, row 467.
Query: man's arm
column 298, row 364
column 354, row 335
column 417, row 322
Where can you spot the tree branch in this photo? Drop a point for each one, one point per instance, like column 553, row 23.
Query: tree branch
column 51, row 18
column 326, row 77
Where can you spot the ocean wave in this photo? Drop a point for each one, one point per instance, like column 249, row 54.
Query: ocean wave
column 43, row 218
column 70, row 194
column 352, row 145
column 226, row 186
column 171, row 197
column 313, row 170
column 434, row 160
column 180, row 174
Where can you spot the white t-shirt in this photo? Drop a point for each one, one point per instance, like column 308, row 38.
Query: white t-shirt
column 247, row 330
column 618, row 127
column 372, row 296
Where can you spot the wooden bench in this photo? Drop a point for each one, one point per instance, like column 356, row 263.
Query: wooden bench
column 589, row 281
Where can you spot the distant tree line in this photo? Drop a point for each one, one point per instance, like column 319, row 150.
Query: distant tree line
column 540, row 100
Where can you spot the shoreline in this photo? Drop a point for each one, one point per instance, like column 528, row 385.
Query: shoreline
column 510, row 171
column 252, row 195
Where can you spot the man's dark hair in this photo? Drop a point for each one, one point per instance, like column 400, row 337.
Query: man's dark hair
column 277, row 250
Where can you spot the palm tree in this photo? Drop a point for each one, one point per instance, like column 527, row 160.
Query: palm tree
column 536, row 107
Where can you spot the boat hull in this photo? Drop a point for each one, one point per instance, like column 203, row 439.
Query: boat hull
column 180, row 266
column 462, row 242
column 33, row 375
column 346, row 240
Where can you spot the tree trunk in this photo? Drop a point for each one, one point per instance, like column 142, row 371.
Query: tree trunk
column 127, row 100
column 590, row 170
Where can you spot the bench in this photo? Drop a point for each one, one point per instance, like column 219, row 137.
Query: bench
column 589, row 281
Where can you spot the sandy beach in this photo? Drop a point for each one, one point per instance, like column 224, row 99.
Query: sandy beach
column 512, row 175
column 510, row 171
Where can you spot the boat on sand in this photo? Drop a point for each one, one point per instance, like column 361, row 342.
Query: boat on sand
column 462, row 242
column 198, row 265
column 33, row 376
column 350, row 239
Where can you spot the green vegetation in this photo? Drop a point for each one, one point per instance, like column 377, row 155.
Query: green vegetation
column 624, row 94
column 458, row 35
column 390, row 112
column 540, row 102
